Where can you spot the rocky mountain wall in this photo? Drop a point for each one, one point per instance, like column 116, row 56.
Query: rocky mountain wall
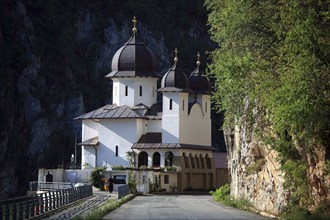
column 255, row 171
column 53, row 59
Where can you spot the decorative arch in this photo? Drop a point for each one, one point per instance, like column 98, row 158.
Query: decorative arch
column 169, row 158
column 202, row 161
column 156, row 159
column 197, row 161
column 185, row 158
column 143, row 159
column 192, row 161
column 208, row 161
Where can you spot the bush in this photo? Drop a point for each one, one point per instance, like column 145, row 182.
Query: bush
column 97, row 176
column 221, row 193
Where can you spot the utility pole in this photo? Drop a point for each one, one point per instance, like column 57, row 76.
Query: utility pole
column 75, row 148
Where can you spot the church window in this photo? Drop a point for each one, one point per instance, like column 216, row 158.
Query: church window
column 156, row 160
column 166, row 179
column 143, row 159
column 116, row 151
column 126, row 90
column 169, row 158
column 171, row 104
column 140, row 90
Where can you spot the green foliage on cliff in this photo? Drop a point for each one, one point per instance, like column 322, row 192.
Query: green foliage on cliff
column 272, row 70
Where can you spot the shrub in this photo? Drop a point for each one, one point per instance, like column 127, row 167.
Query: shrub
column 97, row 176
column 221, row 193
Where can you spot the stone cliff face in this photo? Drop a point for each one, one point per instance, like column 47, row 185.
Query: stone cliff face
column 255, row 171
column 54, row 57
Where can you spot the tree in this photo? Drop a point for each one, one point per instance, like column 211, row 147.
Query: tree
column 272, row 66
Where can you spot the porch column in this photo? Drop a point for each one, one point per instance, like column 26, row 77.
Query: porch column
column 162, row 159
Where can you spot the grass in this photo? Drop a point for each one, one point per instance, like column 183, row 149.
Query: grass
column 322, row 212
column 222, row 195
column 100, row 211
column 240, row 203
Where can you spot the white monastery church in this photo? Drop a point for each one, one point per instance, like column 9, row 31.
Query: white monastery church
column 167, row 143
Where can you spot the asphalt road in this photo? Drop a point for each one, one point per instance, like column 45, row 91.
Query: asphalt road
column 177, row 207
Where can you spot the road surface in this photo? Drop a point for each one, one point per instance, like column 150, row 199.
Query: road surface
column 178, row 207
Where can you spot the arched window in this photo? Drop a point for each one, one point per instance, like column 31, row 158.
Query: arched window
column 140, row 90
column 202, row 161
column 156, row 160
column 197, row 161
column 126, row 90
column 143, row 159
column 171, row 104
column 116, row 151
column 185, row 158
column 49, row 177
column 208, row 161
column 192, row 161
column 169, row 158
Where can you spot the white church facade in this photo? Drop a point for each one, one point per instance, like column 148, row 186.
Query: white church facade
column 169, row 142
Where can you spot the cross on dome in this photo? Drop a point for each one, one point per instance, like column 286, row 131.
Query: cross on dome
column 176, row 55
column 134, row 23
column 198, row 62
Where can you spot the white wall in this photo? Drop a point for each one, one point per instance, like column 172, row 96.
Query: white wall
column 206, row 100
column 195, row 128
column 88, row 153
column 89, row 129
column 141, row 128
column 170, row 118
column 149, row 95
column 88, row 156
column 116, row 132
column 154, row 126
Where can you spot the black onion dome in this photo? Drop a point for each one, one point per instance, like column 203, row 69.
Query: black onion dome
column 134, row 59
column 175, row 80
column 199, row 83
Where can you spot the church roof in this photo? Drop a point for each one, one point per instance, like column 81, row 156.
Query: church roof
column 155, row 111
column 175, row 80
column 90, row 142
column 198, row 82
column 111, row 112
column 151, row 138
column 153, row 141
column 134, row 59
column 170, row 146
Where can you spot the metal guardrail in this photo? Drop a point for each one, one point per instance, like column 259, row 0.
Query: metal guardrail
column 49, row 186
column 123, row 191
column 30, row 207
